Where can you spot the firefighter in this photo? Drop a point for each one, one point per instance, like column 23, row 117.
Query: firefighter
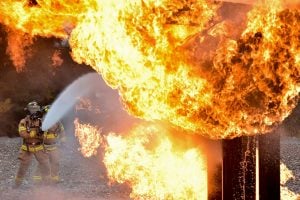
column 53, row 138
column 30, row 131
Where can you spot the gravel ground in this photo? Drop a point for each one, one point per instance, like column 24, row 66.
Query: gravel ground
column 84, row 178
column 290, row 156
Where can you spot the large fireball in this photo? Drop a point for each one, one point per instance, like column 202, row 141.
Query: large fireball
column 149, row 52
column 154, row 53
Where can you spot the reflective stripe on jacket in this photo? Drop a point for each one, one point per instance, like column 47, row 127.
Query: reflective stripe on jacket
column 22, row 128
column 50, row 135
column 31, row 148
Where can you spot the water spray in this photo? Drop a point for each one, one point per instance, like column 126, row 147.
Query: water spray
column 68, row 98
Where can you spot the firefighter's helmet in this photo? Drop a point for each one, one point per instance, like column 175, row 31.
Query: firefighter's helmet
column 33, row 107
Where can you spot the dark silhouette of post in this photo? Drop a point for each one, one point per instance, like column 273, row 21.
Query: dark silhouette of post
column 239, row 158
column 269, row 166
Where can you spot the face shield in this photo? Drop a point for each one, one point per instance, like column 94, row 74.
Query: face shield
column 35, row 110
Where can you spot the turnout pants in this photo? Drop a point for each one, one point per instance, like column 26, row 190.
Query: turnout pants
column 25, row 158
column 53, row 155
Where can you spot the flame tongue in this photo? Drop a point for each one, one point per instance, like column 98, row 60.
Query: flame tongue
column 155, row 171
column 89, row 138
column 149, row 160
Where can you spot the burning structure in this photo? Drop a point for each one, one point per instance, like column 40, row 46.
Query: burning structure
column 183, row 63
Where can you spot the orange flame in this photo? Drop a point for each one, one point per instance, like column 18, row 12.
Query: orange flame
column 48, row 18
column 156, row 54
column 18, row 48
column 145, row 39
column 89, row 138
column 144, row 50
column 148, row 160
